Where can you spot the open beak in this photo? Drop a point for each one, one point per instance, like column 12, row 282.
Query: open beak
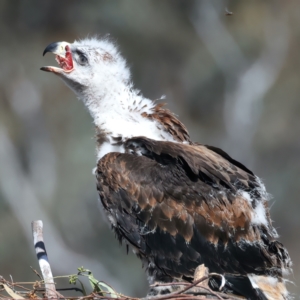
column 63, row 57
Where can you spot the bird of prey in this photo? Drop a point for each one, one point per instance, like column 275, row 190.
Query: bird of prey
column 177, row 203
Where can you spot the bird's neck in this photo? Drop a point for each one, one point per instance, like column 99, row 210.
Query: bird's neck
column 120, row 114
column 111, row 107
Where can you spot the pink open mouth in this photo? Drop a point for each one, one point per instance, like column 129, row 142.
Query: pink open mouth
column 66, row 63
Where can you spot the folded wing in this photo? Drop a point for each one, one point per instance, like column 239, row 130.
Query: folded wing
column 182, row 205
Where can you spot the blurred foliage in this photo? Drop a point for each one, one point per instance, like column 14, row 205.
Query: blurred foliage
column 232, row 79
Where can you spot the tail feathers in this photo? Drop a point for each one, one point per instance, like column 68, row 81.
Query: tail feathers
column 252, row 287
column 274, row 288
column 238, row 285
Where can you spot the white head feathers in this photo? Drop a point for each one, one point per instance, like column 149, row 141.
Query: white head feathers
column 104, row 66
column 97, row 73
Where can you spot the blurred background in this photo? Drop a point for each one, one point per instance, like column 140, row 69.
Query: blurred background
column 229, row 69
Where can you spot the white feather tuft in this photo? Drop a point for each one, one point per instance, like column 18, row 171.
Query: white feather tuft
column 259, row 215
column 259, row 212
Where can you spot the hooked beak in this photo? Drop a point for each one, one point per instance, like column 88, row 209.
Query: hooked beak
column 63, row 57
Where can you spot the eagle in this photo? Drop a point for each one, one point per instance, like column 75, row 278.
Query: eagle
column 177, row 203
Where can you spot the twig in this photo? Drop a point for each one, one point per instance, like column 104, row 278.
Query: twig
column 170, row 283
column 189, row 286
column 37, row 273
column 192, row 285
column 20, row 286
column 174, row 296
column 40, row 249
column 179, row 293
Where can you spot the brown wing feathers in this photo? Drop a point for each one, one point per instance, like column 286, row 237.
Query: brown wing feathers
column 180, row 206
column 199, row 158
column 168, row 122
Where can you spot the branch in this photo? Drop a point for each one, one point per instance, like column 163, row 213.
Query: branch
column 40, row 249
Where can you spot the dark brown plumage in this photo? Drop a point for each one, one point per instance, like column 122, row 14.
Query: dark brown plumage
column 168, row 122
column 179, row 204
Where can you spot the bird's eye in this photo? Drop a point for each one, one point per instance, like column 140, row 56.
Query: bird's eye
column 82, row 59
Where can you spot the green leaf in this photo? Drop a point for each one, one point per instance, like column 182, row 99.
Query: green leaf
column 98, row 286
column 73, row 279
column 81, row 270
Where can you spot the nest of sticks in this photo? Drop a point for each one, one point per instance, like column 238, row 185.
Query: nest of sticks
column 45, row 286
